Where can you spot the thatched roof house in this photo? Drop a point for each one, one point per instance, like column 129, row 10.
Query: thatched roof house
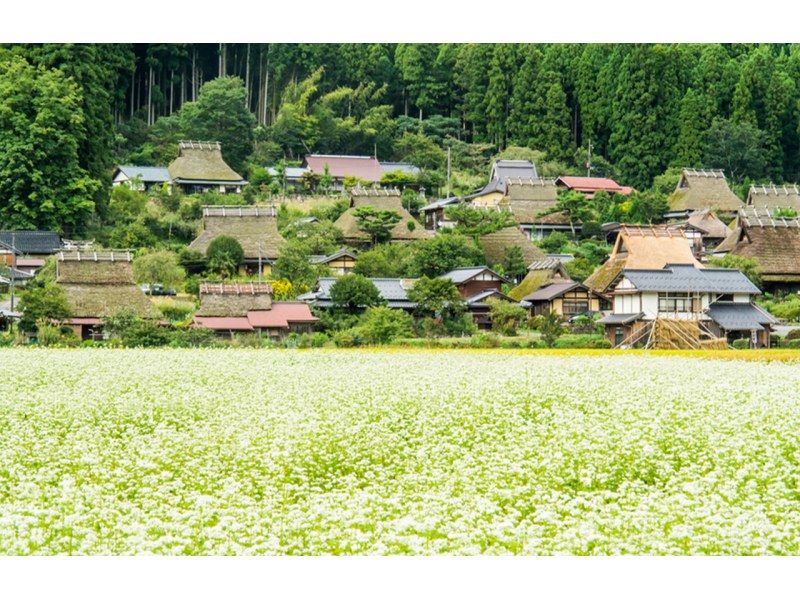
column 407, row 229
column 702, row 189
column 200, row 167
column 771, row 197
column 539, row 274
column 495, row 245
column 98, row 285
column 642, row 247
column 773, row 242
column 254, row 227
column 227, row 308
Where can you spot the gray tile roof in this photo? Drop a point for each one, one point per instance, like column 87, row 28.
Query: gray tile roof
column 506, row 169
column 551, row 291
column 620, row 318
column 687, row 278
column 393, row 290
column 459, row 275
column 32, row 241
column 401, row 166
column 479, row 300
column 739, row 316
column 148, row 174
column 439, row 203
column 324, row 259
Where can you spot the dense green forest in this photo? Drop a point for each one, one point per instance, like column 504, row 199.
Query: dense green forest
column 70, row 112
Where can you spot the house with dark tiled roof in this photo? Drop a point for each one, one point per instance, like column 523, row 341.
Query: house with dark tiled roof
column 340, row 262
column 681, row 306
column 564, row 298
column 477, row 285
column 394, row 291
column 30, row 243
column 254, row 227
column 200, row 167
column 702, row 190
column 142, row 178
column 772, row 241
column 231, row 308
column 502, row 170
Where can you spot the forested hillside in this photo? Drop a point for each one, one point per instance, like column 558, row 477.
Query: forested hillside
column 69, row 113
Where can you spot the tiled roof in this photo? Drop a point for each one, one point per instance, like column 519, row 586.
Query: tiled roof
column 460, row 275
column 281, row 315
column 324, row 259
column 32, row 241
column 393, row 290
column 502, row 170
column 687, row 278
column 148, row 174
column 365, row 168
column 550, row 291
column 480, row 299
column 739, row 316
column 238, row 323
column 440, row 203
column 586, row 184
column 620, row 318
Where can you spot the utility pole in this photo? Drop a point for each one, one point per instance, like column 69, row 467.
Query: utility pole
column 13, row 267
column 448, row 171
column 589, row 161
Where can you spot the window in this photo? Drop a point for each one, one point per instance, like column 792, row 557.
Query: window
column 571, row 307
column 725, row 297
column 674, row 302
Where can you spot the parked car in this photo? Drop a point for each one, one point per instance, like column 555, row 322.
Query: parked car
column 157, row 290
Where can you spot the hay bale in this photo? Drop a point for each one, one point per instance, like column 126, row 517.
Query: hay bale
column 675, row 334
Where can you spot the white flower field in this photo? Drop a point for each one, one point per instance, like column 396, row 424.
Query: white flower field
column 396, row 452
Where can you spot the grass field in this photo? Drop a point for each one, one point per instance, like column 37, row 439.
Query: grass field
column 397, row 452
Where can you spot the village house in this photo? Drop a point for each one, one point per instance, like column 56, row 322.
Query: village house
column 142, row 178
column 772, row 241
column 340, row 263
column 540, row 272
column 532, row 201
column 783, row 199
column 642, row 247
column 394, row 291
column 495, row 190
column 497, row 244
column 200, row 167
column 254, row 227
column 231, row 308
column 98, row 285
column 477, row 285
column 364, row 168
column 434, row 213
column 589, row 185
column 563, row 298
column 682, row 306
column 406, row 229
column 704, row 229
column 702, row 190
column 31, row 244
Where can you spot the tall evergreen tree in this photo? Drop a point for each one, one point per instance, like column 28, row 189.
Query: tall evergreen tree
column 499, row 91
column 696, row 116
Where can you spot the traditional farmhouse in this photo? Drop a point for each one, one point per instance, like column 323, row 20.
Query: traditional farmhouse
column 704, row 229
column 495, row 190
column 254, row 227
column 434, row 213
column 406, row 229
column 363, row 168
column 142, row 178
column 784, row 199
column 30, row 244
column 340, row 263
column 701, row 190
column 532, row 202
column 774, row 242
column 591, row 185
column 394, row 291
column 496, row 245
column 98, row 285
column 638, row 247
column 681, row 306
column 477, row 285
column 563, row 298
column 540, row 272
column 200, row 167
column 233, row 308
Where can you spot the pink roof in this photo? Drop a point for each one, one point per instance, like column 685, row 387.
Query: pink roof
column 363, row 167
column 29, row 262
column 226, row 323
column 281, row 315
column 84, row 321
column 586, row 184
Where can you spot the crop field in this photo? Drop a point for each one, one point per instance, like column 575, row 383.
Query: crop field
column 396, row 452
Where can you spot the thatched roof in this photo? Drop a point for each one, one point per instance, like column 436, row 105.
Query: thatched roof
column 642, row 247
column 380, row 200
column 98, row 285
column 494, row 245
column 698, row 189
column 234, row 299
column 537, row 278
column 255, row 227
column 544, row 190
column 770, row 197
column 773, row 242
column 708, row 224
column 202, row 161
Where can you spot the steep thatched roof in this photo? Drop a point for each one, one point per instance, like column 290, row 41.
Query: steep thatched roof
column 698, row 189
column 380, row 200
column 518, row 189
column 708, row 223
column 537, row 278
column 98, row 285
column 770, row 197
column 255, row 227
column 202, row 161
column 235, row 299
column 642, row 247
column 495, row 244
column 773, row 242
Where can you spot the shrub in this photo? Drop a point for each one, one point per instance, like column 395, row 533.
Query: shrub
column 484, row 340
column 381, row 325
column 582, row 341
column 793, row 334
column 346, row 338
column 551, row 329
column 146, row 334
column 506, row 317
column 174, row 310
column 741, row 343
column 225, row 255
column 353, row 292
column 193, row 337
column 48, row 335
column 792, row 344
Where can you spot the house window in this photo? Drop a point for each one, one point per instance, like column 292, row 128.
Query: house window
column 572, row 307
column 725, row 297
column 674, row 302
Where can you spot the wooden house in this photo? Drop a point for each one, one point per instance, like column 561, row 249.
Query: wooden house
column 142, row 178
column 495, row 190
column 230, row 308
column 340, row 263
column 363, row 168
column 540, row 272
column 35, row 245
column 773, row 242
column 495, row 245
column 642, row 247
column 254, row 227
column 564, row 298
column 477, row 285
column 702, row 190
column 394, row 291
column 406, row 229
column 200, row 167
column 683, row 306
column 435, row 216
column 704, row 229
column 590, row 185
column 98, row 285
